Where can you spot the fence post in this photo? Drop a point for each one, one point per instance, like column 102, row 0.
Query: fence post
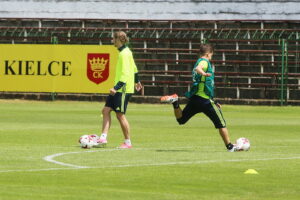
column 283, row 71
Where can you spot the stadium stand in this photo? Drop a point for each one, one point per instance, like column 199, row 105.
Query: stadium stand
column 256, row 62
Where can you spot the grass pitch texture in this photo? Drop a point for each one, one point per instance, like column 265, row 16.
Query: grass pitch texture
column 41, row 158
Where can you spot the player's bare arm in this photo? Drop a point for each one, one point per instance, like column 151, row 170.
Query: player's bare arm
column 199, row 70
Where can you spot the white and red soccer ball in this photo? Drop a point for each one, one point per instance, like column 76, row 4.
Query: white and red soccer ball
column 243, row 144
column 88, row 141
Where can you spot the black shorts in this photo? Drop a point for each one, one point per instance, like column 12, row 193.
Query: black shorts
column 118, row 102
column 198, row 104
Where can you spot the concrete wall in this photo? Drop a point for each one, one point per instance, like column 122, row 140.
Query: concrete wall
column 153, row 9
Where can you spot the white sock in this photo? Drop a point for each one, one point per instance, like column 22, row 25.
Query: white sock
column 127, row 141
column 103, row 136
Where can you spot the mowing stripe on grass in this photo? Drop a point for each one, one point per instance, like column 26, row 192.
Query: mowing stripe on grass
column 76, row 167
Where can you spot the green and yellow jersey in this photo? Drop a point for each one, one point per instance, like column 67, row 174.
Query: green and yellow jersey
column 200, row 91
column 202, row 86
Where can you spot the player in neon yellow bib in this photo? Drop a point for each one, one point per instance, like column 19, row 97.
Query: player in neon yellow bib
column 126, row 80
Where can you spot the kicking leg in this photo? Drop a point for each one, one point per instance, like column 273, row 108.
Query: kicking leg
column 182, row 116
column 177, row 110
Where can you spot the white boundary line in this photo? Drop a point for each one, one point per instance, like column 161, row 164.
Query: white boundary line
column 50, row 158
column 154, row 164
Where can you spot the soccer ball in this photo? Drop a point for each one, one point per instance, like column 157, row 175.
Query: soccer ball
column 86, row 141
column 243, row 144
column 95, row 138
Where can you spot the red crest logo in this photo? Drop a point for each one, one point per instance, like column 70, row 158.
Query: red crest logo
column 98, row 67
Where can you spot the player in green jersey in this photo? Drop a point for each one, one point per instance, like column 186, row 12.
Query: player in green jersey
column 201, row 97
column 126, row 80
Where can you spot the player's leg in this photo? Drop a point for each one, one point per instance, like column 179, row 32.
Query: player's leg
column 215, row 114
column 177, row 109
column 106, row 119
column 182, row 116
column 173, row 99
column 178, row 112
column 120, row 113
column 225, row 135
column 106, row 122
column 124, row 125
column 187, row 113
column 125, row 129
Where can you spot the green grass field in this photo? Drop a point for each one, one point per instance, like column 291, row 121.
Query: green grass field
column 41, row 159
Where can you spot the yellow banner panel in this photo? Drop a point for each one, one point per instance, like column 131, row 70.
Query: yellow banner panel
column 57, row 68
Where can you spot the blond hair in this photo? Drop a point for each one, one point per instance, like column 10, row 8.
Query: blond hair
column 121, row 36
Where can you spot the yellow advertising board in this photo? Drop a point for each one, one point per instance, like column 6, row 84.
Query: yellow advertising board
column 57, row 68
